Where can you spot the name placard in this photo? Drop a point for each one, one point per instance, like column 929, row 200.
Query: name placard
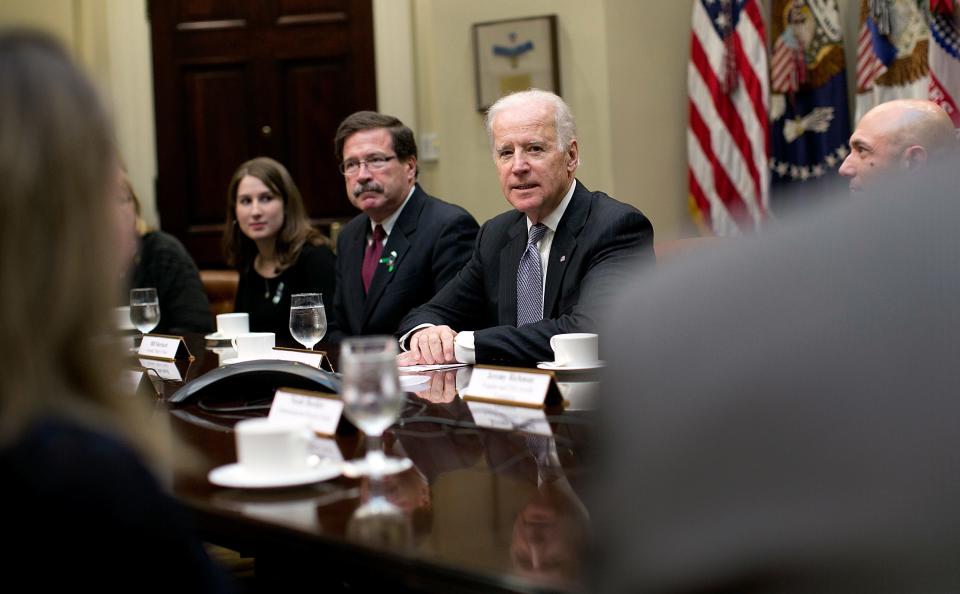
column 166, row 348
column 510, row 385
column 322, row 410
column 510, row 418
column 167, row 370
column 316, row 359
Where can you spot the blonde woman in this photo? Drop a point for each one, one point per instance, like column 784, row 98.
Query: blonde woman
column 76, row 491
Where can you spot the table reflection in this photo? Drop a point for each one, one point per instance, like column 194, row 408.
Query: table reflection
column 494, row 505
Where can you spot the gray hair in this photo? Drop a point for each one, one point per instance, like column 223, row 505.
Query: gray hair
column 563, row 117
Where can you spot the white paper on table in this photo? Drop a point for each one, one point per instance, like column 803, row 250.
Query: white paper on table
column 327, row 449
column 418, row 368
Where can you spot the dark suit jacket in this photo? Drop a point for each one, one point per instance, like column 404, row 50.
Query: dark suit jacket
column 780, row 414
column 595, row 238
column 432, row 240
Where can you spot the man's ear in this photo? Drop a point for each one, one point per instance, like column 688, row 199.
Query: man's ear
column 573, row 156
column 914, row 156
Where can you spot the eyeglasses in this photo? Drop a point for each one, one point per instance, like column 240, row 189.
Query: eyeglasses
column 373, row 163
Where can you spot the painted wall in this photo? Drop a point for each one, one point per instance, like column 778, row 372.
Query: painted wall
column 623, row 71
column 465, row 172
column 111, row 39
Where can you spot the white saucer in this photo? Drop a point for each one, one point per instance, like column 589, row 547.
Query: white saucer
column 551, row 366
column 216, row 336
column 236, row 476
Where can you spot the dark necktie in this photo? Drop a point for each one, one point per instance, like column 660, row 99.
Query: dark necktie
column 372, row 257
column 530, row 279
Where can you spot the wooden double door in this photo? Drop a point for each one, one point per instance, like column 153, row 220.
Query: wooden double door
column 236, row 79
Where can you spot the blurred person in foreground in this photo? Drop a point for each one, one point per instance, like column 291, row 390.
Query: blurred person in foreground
column 157, row 259
column 270, row 239
column 77, row 495
column 781, row 415
column 546, row 267
column 897, row 136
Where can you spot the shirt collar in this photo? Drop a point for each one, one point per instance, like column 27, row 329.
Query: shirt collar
column 390, row 221
column 552, row 220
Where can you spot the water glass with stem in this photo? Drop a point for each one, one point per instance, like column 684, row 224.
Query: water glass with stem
column 308, row 318
column 372, row 399
column 144, row 309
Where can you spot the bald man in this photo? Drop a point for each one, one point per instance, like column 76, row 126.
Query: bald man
column 899, row 135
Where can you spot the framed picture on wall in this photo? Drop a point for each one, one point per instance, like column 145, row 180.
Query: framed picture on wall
column 515, row 55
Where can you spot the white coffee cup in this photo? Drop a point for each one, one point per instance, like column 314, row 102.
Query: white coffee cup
column 273, row 446
column 253, row 345
column 574, row 350
column 232, row 324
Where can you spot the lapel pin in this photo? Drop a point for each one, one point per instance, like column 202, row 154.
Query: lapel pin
column 390, row 261
column 563, row 258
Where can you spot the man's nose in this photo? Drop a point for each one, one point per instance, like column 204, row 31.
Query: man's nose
column 846, row 168
column 519, row 162
column 363, row 173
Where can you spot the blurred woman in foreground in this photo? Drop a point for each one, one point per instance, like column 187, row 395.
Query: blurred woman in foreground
column 73, row 484
column 269, row 239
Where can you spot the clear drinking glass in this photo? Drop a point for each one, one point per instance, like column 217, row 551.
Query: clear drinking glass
column 144, row 309
column 308, row 318
column 372, row 399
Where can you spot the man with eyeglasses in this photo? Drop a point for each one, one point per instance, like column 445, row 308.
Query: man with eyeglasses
column 548, row 267
column 406, row 245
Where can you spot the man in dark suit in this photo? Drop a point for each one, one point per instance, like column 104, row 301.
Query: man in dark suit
column 781, row 415
column 547, row 267
column 406, row 245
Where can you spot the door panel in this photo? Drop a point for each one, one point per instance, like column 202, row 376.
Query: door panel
column 237, row 79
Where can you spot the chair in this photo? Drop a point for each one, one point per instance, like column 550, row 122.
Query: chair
column 221, row 288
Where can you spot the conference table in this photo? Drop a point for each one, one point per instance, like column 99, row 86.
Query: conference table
column 482, row 509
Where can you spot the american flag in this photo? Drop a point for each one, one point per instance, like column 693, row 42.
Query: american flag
column 727, row 134
column 891, row 53
column 869, row 64
column 944, row 58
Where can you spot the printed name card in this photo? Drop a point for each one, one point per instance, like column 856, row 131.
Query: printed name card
column 322, row 410
column 167, row 348
column 316, row 359
column 166, row 370
column 510, row 418
column 509, row 385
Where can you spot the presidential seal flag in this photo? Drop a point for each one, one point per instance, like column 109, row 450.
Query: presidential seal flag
column 891, row 53
column 809, row 118
column 727, row 134
column 944, row 57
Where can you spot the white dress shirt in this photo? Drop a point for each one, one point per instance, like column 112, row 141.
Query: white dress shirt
column 390, row 221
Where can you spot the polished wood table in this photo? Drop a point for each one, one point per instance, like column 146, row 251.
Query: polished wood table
column 483, row 510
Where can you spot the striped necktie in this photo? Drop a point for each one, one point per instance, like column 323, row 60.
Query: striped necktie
column 530, row 279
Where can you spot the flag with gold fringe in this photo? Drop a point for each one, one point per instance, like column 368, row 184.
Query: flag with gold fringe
column 891, row 52
column 944, row 57
column 727, row 133
column 809, row 117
